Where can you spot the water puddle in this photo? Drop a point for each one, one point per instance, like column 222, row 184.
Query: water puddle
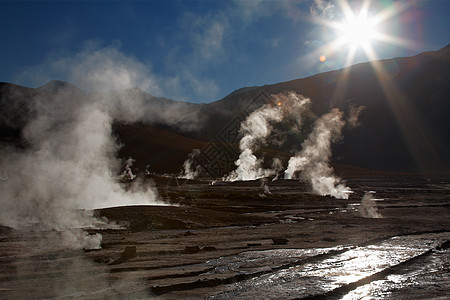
column 427, row 278
column 325, row 275
column 256, row 261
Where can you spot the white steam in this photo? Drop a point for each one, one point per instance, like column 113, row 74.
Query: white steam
column 265, row 190
column 312, row 162
column 188, row 171
column 277, row 167
column 354, row 114
column 69, row 163
column 256, row 129
column 127, row 173
column 368, row 207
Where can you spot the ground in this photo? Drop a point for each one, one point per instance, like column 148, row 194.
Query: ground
column 238, row 240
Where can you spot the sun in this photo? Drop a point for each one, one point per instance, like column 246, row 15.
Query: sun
column 357, row 31
column 359, row 25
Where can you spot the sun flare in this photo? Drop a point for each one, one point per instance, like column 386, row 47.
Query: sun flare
column 362, row 27
column 357, row 31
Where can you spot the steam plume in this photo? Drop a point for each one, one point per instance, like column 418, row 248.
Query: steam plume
column 312, row 160
column 265, row 190
column 277, row 167
column 127, row 174
column 353, row 115
column 256, row 129
column 70, row 161
column 188, row 166
column 368, row 207
column 70, row 165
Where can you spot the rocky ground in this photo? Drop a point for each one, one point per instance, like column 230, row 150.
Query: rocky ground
column 249, row 240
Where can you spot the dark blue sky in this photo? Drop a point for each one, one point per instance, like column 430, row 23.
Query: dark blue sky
column 199, row 50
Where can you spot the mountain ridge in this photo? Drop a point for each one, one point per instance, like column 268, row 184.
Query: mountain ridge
column 441, row 52
column 404, row 125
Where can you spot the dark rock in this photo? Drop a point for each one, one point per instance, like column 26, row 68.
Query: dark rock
column 280, row 241
column 191, row 249
column 5, row 229
column 156, row 223
column 329, row 240
column 209, row 248
column 128, row 253
column 167, row 223
column 444, row 246
column 142, row 225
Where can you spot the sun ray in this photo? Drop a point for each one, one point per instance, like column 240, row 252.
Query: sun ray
column 342, row 83
column 411, row 125
column 391, row 11
column 413, row 128
column 361, row 30
column 396, row 40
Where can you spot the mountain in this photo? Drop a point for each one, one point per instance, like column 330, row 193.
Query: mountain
column 61, row 87
column 404, row 123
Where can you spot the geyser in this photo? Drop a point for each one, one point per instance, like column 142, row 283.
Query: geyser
column 70, row 160
column 311, row 163
column 256, row 129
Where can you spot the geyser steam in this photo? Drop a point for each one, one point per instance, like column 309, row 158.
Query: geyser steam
column 69, row 162
column 312, row 161
column 69, row 165
column 188, row 171
column 368, row 207
column 256, row 129
column 311, row 164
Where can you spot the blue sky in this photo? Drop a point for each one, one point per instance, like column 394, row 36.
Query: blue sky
column 200, row 51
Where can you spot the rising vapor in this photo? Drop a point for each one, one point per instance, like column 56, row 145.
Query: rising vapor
column 70, row 163
column 256, row 129
column 312, row 162
column 189, row 171
column 368, row 207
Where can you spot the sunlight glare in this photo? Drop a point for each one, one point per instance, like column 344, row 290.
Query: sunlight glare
column 358, row 31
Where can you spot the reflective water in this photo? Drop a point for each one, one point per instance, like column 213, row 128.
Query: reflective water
column 335, row 270
column 428, row 278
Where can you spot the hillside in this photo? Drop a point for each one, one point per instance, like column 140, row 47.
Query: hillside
column 404, row 125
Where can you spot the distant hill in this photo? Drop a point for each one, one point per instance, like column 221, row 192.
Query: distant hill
column 61, row 87
column 405, row 125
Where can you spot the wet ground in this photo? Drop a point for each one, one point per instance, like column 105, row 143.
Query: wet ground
column 242, row 240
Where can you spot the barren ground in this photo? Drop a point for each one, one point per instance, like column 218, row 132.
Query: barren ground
column 232, row 240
